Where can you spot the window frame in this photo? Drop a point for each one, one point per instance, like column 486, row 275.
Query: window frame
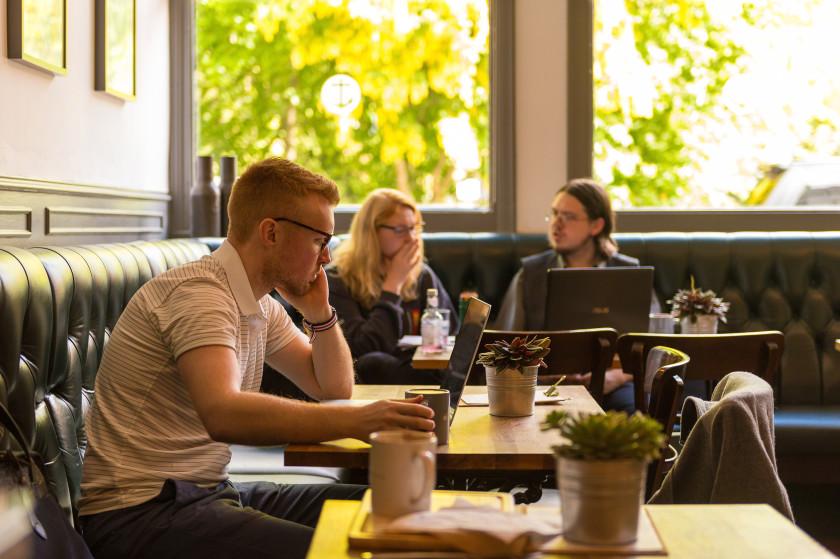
column 500, row 215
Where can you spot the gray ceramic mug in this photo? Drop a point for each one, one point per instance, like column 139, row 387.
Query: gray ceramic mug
column 438, row 400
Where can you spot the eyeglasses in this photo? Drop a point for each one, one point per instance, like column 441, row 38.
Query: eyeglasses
column 327, row 236
column 401, row 230
column 564, row 217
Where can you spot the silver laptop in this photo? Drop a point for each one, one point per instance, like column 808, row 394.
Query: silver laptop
column 463, row 355
column 616, row 298
column 464, row 352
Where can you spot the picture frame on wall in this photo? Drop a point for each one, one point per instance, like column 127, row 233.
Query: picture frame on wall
column 36, row 34
column 115, row 48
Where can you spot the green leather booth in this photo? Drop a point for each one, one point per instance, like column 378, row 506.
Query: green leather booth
column 786, row 281
column 58, row 306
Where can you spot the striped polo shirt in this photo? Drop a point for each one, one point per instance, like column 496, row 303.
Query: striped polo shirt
column 142, row 427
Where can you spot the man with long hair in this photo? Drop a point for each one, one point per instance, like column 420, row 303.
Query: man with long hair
column 581, row 223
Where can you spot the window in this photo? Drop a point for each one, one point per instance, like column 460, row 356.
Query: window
column 717, row 104
column 272, row 76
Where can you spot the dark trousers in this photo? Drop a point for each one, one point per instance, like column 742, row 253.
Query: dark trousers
column 231, row 520
column 621, row 399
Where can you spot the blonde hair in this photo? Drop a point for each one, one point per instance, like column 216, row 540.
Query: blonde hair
column 358, row 259
column 268, row 186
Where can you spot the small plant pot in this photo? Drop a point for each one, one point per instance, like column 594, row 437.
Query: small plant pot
column 600, row 500
column 511, row 394
column 705, row 324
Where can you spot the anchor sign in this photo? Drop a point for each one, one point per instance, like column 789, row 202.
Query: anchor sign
column 340, row 94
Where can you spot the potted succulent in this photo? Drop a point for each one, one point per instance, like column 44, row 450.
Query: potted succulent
column 601, row 473
column 511, row 370
column 698, row 311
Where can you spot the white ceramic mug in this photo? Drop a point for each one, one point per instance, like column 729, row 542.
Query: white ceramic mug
column 402, row 471
column 438, row 400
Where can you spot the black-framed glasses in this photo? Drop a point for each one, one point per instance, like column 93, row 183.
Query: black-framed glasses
column 327, row 236
column 564, row 217
column 401, row 230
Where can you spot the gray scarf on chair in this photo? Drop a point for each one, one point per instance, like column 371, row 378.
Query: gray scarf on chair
column 729, row 453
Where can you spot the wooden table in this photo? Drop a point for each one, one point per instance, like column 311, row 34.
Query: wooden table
column 437, row 360
column 688, row 531
column 477, row 440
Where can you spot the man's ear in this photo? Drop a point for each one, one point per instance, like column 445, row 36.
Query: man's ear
column 596, row 226
column 269, row 232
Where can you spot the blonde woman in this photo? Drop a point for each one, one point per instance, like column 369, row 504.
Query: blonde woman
column 378, row 284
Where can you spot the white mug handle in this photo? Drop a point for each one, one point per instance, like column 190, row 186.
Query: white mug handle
column 427, row 462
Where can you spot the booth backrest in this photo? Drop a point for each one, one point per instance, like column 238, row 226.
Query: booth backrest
column 58, row 306
column 786, row 281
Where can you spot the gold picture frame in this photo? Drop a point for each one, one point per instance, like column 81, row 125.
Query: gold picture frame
column 115, row 48
column 36, row 33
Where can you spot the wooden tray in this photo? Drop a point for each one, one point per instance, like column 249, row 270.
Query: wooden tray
column 363, row 533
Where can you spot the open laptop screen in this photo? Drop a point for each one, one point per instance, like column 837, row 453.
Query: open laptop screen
column 616, row 298
column 464, row 352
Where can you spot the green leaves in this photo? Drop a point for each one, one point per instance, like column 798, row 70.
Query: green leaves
column 516, row 355
column 609, row 436
column 261, row 65
column 659, row 70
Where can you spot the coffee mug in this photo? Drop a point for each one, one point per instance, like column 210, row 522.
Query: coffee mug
column 402, row 472
column 438, row 400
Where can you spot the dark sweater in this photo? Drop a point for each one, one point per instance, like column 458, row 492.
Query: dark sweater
column 381, row 326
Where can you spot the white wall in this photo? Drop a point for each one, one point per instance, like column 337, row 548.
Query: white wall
column 540, row 109
column 58, row 128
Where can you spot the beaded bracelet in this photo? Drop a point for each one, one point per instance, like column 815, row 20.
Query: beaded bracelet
column 313, row 329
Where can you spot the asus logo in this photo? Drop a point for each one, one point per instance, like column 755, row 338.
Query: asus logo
column 600, row 310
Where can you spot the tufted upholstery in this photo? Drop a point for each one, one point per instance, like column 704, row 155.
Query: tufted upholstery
column 58, row 306
column 774, row 281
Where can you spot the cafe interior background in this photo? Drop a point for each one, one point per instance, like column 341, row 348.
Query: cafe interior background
column 79, row 165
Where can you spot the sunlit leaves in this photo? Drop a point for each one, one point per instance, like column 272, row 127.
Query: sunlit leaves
column 261, row 66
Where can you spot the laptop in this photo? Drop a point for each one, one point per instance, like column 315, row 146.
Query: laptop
column 461, row 360
column 464, row 352
column 616, row 298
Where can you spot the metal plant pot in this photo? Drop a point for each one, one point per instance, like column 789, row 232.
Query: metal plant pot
column 600, row 500
column 511, row 394
column 705, row 324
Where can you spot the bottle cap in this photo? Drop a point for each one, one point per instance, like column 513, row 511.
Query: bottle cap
column 431, row 298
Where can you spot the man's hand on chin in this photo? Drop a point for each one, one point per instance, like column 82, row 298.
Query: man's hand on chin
column 314, row 303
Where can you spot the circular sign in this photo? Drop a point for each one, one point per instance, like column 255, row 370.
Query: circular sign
column 340, row 94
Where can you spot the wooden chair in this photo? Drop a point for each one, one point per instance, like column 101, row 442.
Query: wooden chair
column 663, row 382
column 713, row 356
column 572, row 352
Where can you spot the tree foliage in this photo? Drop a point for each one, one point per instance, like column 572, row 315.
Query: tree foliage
column 695, row 99
column 261, row 66
column 658, row 74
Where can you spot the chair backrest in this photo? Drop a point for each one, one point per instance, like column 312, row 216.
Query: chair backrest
column 665, row 368
column 713, row 356
column 572, row 352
